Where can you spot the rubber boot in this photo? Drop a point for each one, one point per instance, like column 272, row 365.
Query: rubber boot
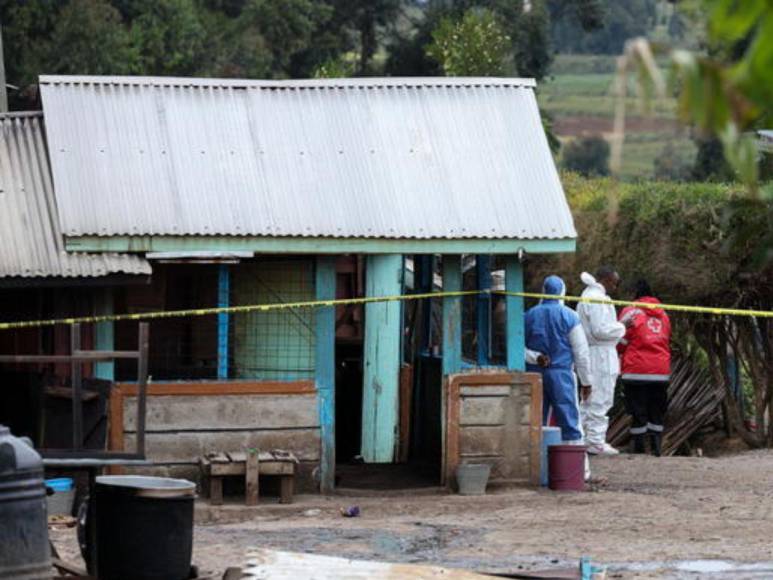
column 655, row 441
column 638, row 443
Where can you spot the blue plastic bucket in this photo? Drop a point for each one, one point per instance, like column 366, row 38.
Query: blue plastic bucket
column 60, row 484
column 550, row 436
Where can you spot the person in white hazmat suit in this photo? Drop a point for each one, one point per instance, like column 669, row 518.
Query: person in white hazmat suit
column 603, row 331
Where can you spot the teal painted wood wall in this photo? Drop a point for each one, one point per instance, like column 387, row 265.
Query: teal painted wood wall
column 325, row 286
column 104, row 333
column 516, row 339
column 383, row 277
column 452, row 315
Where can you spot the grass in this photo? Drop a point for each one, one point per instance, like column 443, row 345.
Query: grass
column 580, row 94
column 568, row 94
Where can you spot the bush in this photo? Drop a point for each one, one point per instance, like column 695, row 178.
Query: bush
column 588, row 156
column 702, row 244
column 669, row 165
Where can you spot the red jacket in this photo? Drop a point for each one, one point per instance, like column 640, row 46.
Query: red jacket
column 646, row 347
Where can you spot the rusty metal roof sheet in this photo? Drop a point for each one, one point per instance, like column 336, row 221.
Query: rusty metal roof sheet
column 31, row 244
column 391, row 158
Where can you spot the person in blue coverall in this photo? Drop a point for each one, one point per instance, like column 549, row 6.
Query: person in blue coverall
column 556, row 347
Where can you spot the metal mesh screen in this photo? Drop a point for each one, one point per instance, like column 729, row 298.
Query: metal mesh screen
column 279, row 344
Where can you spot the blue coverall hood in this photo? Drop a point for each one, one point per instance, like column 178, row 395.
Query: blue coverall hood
column 554, row 286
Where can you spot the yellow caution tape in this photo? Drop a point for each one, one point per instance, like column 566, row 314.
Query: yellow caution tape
column 648, row 305
column 140, row 316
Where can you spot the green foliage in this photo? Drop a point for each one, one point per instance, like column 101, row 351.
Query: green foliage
column 96, row 40
column 731, row 91
column 619, row 21
column 533, row 53
column 710, row 163
column 335, row 69
column 697, row 243
column 169, row 37
column 669, row 165
column 273, row 31
column 472, row 46
column 587, row 156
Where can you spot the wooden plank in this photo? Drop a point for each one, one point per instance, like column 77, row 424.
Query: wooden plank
column 216, row 490
column 277, row 468
column 451, row 431
column 251, row 478
column 483, row 410
column 65, row 393
column 406, row 400
column 516, row 338
column 223, row 388
column 115, row 428
column 223, row 469
column 483, row 390
column 237, row 456
column 324, row 374
column 277, row 565
column 187, row 447
column 286, row 486
column 381, row 359
column 178, row 413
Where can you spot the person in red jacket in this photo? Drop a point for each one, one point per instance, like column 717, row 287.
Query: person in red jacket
column 646, row 368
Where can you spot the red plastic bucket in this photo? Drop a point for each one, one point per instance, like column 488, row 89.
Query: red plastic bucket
column 566, row 467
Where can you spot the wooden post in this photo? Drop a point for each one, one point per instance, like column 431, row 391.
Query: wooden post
column 380, row 398
column 223, row 301
column 251, row 477
column 516, row 339
column 3, row 92
column 104, row 334
column 77, row 403
column 452, row 315
column 325, row 285
column 483, row 304
column 142, row 384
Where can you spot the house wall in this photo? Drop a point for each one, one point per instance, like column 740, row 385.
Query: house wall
column 187, row 420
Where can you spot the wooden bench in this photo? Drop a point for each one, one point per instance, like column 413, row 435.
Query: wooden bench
column 251, row 464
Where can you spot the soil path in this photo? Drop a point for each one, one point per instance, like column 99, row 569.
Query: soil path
column 672, row 517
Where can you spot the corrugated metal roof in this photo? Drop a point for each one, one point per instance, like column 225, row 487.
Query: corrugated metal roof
column 376, row 158
column 31, row 244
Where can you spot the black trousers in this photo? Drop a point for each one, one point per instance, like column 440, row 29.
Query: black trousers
column 646, row 402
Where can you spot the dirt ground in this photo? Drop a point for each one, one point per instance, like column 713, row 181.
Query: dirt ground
column 677, row 517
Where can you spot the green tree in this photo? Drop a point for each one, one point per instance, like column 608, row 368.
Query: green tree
column 27, row 26
column 588, row 156
column 600, row 27
column 89, row 38
column 272, row 32
column 169, row 37
column 472, row 46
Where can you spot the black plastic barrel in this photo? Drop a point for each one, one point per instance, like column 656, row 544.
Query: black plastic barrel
column 24, row 550
column 144, row 527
